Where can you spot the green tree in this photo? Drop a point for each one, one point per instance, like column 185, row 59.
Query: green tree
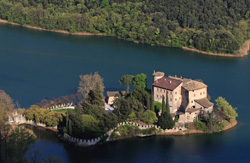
column 14, row 142
column 96, row 96
column 166, row 121
column 152, row 101
column 164, row 109
column 70, row 127
column 157, row 106
column 127, row 80
column 140, row 81
column 6, row 105
column 228, row 111
column 148, row 102
column 90, row 126
column 167, row 104
column 105, row 4
column 122, row 109
column 149, row 117
column 132, row 116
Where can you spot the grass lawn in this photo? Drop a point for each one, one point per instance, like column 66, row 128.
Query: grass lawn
column 61, row 110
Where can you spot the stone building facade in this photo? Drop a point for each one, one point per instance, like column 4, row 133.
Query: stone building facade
column 187, row 97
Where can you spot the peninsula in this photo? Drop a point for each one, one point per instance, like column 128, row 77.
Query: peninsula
column 173, row 106
column 219, row 29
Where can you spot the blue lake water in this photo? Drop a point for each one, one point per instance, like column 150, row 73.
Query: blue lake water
column 36, row 65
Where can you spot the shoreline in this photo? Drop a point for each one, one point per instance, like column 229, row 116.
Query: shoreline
column 242, row 52
column 47, row 128
column 179, row 133
column 193, row 132
column 56, row 31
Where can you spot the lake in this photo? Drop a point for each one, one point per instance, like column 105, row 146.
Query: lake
column 35, row 65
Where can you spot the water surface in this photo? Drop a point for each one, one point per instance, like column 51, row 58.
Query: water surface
column 37, row 64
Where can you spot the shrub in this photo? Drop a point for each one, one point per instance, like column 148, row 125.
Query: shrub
column 199, row 125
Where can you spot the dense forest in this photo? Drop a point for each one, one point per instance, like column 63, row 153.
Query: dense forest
column 209, row 25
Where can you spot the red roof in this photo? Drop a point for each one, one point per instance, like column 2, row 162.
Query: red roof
column 167, row 83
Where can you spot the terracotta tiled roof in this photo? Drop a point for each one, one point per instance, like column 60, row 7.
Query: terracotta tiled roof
column 113, row 93
column 191, row 85
column 204, row 102
column 167, row 83
column 191, row 110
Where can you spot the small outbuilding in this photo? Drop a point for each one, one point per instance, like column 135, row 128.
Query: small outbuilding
column 112, row 95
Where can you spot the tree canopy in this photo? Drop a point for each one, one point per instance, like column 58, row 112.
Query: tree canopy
column 6, row 106
column 227, row 109
column 127, row 80
column 88, row 82
column 208, row 25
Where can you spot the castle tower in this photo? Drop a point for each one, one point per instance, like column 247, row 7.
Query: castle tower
column 158, row 75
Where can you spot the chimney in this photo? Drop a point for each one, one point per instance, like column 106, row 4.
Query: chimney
column 170, row 81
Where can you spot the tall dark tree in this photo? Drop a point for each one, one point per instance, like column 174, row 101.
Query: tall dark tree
column 70, row 127
column 96, row 96
column 166, row 121
column 167, row 104
column 152, row 100
column 164, row 109
column 127, row 80
column 148, row 102
column 67, row 121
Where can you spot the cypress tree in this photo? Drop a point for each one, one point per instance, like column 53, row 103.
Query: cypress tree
column 166, row 121
column 152, row 100
column 148, row 102
column 70, row 127
column 67, row 122
column 164, row 109
column 167, row 104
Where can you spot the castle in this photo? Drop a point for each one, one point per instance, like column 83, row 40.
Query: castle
column 186, row 97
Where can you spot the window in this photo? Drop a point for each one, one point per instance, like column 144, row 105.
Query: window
column 157, row 89
column 157, row 96
column 201, row 93
column 175, row 99
column 191, row 101
column 171, row 99
column 176, row 93
column 194, row 95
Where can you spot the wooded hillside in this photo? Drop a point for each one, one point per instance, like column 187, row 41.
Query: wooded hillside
column 208, row 25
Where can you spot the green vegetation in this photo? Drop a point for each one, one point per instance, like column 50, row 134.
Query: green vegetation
column 220, row 26
column 127, row 80
column 149, row 117
column 166, row 121
column 89, row 82
column 157, row 106
column 61, row 110
column 216, row 121
column 127, row 131
column 199, row 125
column 6, row 106
column 46, row 116
column 228, row 111
column 89, row 119
column 14, row 142
column 132, row 116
